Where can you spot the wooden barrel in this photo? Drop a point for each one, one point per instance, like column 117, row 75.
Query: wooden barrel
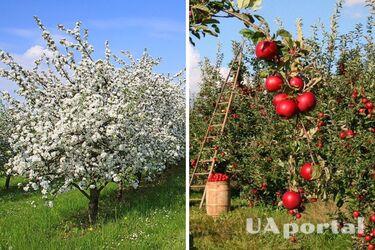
column 217, row 198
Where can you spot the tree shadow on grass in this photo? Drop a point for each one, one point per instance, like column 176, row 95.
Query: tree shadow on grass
column 167, row 192
column 14, row 193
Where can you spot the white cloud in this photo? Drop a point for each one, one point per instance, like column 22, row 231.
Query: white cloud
column 224, row 71
column 30, row 55
column 354, row 2
column 26, row 60
column 194, row 59
column 195, row 74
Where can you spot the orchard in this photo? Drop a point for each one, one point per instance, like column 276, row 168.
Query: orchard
column 305, row 122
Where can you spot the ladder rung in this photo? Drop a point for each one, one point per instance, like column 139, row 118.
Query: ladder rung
column 208, row 149
column 204, row 161
column 201, row 173
column 195, row 199
column 222, row 110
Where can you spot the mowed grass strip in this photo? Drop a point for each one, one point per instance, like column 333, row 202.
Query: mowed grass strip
column 151, row 217
column 229, row 230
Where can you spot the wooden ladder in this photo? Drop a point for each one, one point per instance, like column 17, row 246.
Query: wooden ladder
column 205, row 163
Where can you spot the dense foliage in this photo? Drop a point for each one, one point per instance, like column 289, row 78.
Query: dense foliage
column 264, row 152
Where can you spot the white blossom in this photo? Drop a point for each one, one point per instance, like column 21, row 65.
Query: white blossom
column 86, row 122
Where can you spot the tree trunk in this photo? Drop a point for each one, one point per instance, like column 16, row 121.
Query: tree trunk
column 7, row 182
column 93, row 205
column 120, row 191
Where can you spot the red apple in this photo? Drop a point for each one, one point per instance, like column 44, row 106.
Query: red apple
column 321, row 124
column 362, row 111
column 372, row 218
column 296, row 82
column 306, row 101
column 350, row 133
column 193, row 162
column 360, row 197
column 286, row 108
column 368, row 238
column 371, row 247
column 298, row 216
column 355, row 93
column 364, row 100
column 356, row 214
column 306, row 171
column 279, row 97
column 273, row 83
column 291, row 200
column 343, row 135
column 369, row 105
column 266, row 49
column 292, row 212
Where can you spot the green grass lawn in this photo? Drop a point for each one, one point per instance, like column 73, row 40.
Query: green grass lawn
column 152, row 217
column 229, row 230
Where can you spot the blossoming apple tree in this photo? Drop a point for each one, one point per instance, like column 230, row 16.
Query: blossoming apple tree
column 5, row 151
column 83, row 122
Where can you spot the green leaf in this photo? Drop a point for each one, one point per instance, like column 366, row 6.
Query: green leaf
column 216, row 5
column 201, row 7
column 247, row 18
column 338, row 200
column 210, row 21
column 284, row 33
column 264, row 73
column 248, row 33
column 289, row 42
column 260, row 18
column 191, row 41
column 249, row 4
column 258, row 36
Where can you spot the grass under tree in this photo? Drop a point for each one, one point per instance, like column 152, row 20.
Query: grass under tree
column 151, row 217
column 229, row 230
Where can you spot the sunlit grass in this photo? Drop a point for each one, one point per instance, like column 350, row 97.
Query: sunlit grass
column 152, row 217
column 229, row 230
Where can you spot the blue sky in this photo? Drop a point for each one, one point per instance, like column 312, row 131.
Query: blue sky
column 158, row 26
column 288, row 11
